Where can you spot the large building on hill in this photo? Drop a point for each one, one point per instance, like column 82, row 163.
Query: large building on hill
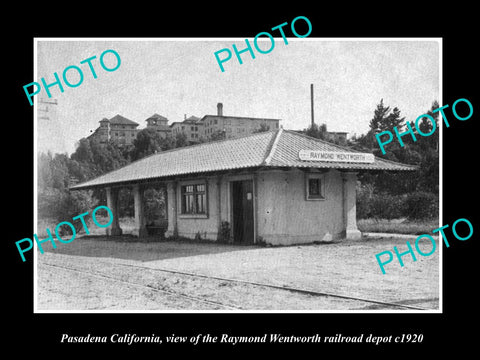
column 234, row 126
column 191, row 127
column 124, row 131
column 119, row 129
column 160, row 124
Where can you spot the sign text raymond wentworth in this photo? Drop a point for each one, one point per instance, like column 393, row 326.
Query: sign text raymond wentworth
column 336, row 156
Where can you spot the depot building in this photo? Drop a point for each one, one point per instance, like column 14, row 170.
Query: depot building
column 277, row 187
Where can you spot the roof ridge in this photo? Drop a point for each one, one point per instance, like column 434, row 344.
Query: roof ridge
column 121, row 117
column 348, row 149
column 160, row 153
column 321, row 140
column 273, row 148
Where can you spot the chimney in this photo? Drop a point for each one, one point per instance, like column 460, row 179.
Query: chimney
column 220, row 109
column 311, row 101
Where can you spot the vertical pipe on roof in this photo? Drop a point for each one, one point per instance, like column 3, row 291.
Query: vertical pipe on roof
column 311, row 102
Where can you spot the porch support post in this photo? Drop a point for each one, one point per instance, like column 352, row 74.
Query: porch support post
column 255, row 207
column 219, row 200
column 349, row 206
column 112, row 203
column 140, row 229
column 171, row 195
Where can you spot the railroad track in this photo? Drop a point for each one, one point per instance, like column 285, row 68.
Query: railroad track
column 149, row 287
column 233, row 281
column 283, row 287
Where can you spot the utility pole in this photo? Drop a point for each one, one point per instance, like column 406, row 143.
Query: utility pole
column 45, row 108
column 311, row 101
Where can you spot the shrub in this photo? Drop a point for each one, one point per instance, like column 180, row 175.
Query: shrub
column 224, row 233
column 154, row 204
column 364, row 194
column 421, row 205
column 418, row 205
column 386, row 206
column 378, row 205
column 65, row 205
column 198, row 236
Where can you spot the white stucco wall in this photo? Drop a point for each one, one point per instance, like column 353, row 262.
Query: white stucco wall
column 189, row 225
column 282, row 214
column 286, row 217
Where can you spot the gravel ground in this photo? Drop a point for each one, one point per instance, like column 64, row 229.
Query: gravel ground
column 345, row 268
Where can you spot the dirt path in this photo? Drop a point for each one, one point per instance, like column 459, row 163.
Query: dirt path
column 99, row 279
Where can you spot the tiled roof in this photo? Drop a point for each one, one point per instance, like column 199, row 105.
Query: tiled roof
column 266, row 149
column 192, row 118
column 290, row 143
column 157, row 116
column 119, row 119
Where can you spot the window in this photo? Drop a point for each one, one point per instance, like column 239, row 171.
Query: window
column 194, row 199
column 315, row 184
column 216, row 121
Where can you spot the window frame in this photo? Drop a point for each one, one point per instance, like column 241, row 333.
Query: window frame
column 194, row 193
column 315, row 176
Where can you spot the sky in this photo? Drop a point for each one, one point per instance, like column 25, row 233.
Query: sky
column 178, row 77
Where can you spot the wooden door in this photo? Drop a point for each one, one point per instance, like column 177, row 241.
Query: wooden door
column 242, row 208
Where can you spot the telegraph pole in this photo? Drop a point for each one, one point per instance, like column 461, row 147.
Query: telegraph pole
column 311, row 101
column 47, row 103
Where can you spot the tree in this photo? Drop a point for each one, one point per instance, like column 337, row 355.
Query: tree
column 108, row 157
column 83, row 152
column 426, row 127
column 380, row 114
column 366, row 142
column 147, row 142
column 44, row 173
column 393, row 119
column 71, row 204
column 384, row 120
column 59, row 171
column 318, row 132
column 180, row 140
column 218, row 135
column 263, row 128
column 55, row 201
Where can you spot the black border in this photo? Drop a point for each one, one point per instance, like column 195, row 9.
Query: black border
column 452, row 329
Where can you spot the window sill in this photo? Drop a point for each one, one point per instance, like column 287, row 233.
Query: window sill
column 316, row 199
column 193, row 216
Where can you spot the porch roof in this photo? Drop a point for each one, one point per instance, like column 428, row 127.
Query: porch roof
column 270, row 149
